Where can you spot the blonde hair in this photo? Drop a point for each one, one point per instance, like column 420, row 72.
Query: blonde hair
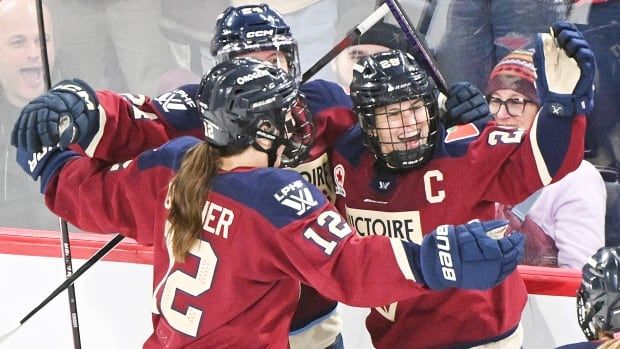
column 188, row 191
column 610, row 344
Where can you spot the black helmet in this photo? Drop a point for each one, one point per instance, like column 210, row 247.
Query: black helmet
column 254, row 28
column 394, row 79
column 598, row 297
column 244, row 99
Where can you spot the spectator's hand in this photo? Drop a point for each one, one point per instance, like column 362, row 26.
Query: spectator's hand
column 66, row 114
column 565, row 66
column 475, row 255
column 465, row 104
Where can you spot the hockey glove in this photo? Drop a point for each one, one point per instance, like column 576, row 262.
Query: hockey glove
column 66, row 114
column 43, row 164
column 565, row 67
column 475, row 255
column 465, row 103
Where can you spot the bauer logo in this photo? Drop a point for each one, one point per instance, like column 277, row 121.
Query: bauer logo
column 445, row 258
column 296, row 196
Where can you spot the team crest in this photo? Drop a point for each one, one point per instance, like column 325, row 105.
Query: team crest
column 296, row 196
column 459, row 132
column 339, row 179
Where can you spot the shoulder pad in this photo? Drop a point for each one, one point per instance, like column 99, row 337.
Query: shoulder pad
column 281, row 196
column 169, row 155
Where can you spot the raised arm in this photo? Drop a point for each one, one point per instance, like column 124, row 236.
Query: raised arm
column 518, row 162
column 105, row 125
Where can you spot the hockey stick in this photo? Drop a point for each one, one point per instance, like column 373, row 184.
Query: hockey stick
column 421, row 54
column 66, row 284
column 350, row 38
column 64, row 233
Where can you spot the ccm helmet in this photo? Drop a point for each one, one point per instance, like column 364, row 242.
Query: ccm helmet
column 255, row 28
column 598, row 297
column 397, row 109
column 244, row 99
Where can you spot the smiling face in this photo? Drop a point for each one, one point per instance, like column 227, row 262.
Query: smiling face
column 21, row 71
column 402, row 126
column 524, row 111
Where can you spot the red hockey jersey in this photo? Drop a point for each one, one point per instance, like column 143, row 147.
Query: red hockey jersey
column 472, row 168
column 138, row 123
column 265, row 231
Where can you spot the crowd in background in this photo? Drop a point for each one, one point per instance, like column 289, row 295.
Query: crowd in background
column 150, row 47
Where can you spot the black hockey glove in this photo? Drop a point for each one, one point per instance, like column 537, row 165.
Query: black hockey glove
column 66, row 114
column 465, row 103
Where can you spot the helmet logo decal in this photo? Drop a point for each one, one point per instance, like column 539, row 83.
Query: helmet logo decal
column 251, row 10
column 264, row 102
column 255, row 75
column 259, row 33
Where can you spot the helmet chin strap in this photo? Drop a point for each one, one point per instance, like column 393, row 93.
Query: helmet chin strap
column 272, row 152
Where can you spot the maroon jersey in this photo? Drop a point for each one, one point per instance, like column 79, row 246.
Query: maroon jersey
column 472, row 168
column 261, row 245
column 130, row 124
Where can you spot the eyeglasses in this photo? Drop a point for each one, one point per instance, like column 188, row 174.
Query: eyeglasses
column 514, row 106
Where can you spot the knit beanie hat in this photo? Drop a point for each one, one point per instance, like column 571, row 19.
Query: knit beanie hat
column 515, row 72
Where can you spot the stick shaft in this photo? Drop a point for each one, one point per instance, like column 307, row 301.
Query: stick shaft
column 350, row 38
column 421, row 54
column 70, row 280
column 64, row 233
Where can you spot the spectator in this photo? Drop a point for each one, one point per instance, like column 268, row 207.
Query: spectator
column 380, row 38
column 314, row 24
column 600, row 25
column 22, row 78
column 114, row 44
column 188, row 29
column 481, row 32
column 598, row 301
column 566, row 221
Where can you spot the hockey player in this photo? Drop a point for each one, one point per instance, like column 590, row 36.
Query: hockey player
column 598, row 301
column 400, row 172
column 233, row 238
column 258, row 32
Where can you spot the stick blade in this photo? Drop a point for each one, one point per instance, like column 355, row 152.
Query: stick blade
column 9, row 333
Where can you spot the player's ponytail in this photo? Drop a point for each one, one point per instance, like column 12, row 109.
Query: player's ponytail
column 610, row 344
column 188, row 192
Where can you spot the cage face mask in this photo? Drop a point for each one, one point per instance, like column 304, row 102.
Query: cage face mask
column 396, row 106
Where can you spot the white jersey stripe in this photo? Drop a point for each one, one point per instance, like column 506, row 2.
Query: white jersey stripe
column 401, row 259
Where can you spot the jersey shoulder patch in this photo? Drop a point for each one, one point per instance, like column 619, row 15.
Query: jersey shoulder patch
column 280, row 195
column 460, row 132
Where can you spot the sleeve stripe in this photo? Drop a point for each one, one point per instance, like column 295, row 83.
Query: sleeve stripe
column 92, row 146
column 401, row 259
column 543, row 171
